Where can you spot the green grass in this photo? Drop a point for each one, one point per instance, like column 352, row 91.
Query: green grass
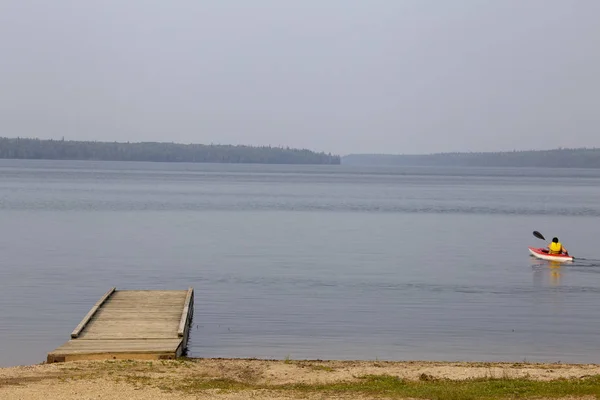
column 322, row 368
column 393, row 387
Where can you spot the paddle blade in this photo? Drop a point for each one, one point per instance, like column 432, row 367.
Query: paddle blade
column 538, row 235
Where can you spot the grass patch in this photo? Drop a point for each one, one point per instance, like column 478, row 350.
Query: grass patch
column 137, row 380
column 194, row 385
column 322, row 368
column 487, row 388
column 393, row 387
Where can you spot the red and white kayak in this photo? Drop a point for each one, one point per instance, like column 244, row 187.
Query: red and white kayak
column 544, row 255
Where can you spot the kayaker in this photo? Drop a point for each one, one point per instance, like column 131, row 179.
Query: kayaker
column 556, row 247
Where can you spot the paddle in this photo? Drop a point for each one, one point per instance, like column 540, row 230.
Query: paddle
column 538, row 235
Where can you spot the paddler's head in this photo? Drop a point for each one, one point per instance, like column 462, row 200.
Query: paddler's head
column 555, row 240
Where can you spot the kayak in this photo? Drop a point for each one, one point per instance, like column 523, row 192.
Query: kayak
column 543, row 254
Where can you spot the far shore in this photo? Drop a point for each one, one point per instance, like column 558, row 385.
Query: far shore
column 290, row 379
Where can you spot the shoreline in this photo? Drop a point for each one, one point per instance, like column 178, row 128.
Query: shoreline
column 226, row 378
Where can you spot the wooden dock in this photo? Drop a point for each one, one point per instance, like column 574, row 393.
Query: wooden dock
column 131, row 324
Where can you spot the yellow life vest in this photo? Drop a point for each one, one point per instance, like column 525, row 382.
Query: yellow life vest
column 555, row 248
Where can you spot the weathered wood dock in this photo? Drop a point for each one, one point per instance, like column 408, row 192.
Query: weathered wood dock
column 131, row 324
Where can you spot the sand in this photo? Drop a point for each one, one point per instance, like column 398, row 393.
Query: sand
column 161, row 379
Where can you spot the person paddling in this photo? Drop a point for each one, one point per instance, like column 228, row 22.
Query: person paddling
column 556, row 247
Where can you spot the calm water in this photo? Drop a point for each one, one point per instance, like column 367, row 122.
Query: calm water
column 307, row 262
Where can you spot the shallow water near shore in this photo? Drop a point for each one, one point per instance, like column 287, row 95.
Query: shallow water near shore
column 318, row 262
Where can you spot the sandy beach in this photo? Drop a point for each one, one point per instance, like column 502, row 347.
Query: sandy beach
column 264, row 379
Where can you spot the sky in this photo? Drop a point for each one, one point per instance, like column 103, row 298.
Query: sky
column 341, row 76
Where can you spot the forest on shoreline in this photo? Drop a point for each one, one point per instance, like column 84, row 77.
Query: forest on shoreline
column 558, row 158
column 48, row 149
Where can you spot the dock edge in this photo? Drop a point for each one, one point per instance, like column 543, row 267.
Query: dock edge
column 186, row 320
column 90, row 314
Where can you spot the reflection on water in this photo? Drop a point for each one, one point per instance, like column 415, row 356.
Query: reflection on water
column 546, row 269
column 554, row 272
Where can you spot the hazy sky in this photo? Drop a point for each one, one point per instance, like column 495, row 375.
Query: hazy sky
column 393, row 76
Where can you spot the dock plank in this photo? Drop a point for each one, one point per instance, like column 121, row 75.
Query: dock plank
column 79, row 346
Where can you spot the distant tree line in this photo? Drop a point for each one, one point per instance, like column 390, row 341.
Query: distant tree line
column 559, row 158
column 160, row 152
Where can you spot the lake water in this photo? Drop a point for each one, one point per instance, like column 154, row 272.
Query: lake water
column 329, row 262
